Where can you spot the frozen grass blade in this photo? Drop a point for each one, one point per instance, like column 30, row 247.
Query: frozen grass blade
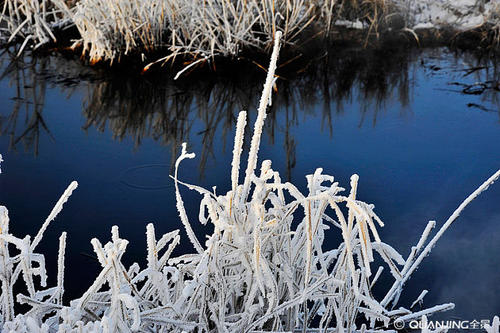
column 55, row 211
column 261, row 117
column 408, row 270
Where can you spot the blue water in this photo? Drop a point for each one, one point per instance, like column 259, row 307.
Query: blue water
column 419, row 144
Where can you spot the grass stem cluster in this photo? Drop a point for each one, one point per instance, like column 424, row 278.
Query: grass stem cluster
column 265, row 267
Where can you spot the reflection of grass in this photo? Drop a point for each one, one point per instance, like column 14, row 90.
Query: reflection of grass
column 264, row 267
column 154, row 106
column 166, row 110
column 29, row 78
column 29, row 100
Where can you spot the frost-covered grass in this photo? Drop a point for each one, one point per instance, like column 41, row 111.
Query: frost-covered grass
column 203, row 29
column 264, row 268
column 32, row 22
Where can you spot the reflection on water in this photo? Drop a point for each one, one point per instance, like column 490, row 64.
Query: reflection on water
column 24, row 124
column 139, row 107
column 420, row 127
column 154, row 106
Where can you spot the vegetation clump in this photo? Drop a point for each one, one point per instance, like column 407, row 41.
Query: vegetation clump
column 199, row 30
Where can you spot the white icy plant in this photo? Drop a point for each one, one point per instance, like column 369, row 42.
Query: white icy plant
column 264, row 267
column 28, row 264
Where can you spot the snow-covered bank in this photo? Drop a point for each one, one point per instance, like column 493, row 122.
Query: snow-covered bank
column 459, row 14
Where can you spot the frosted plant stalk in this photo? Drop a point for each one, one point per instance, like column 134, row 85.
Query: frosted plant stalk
column 56, row 210
column 238, row 148
column 60, row 268
column 180, row 203
column 410, row 269
column 261, row 116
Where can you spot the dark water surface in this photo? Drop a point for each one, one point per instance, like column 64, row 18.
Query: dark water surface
column 410, row 124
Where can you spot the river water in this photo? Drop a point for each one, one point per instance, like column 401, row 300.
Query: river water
column 421, row 128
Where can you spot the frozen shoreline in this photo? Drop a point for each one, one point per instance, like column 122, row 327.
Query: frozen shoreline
column 428, row 14
column 460, row 14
